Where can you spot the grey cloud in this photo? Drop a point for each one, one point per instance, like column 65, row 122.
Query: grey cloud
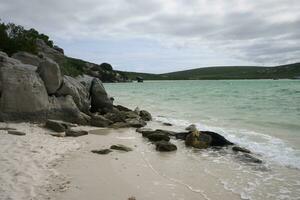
column 258, row 30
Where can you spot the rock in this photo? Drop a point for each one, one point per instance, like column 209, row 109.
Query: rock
column 182, row 135
column 191, row 128
column 23, row 94
column 46, row 51
column 56, row 125
column 137, row 110
column 121, row 147
column 240, row 149
column 198, row 140
column 145, row 115
column 65, row 109
column 100, row 121
column 165, row 146
column 136, row 123
column 157, row 136
column 57, row 48
column 13, row 132
column 102, row 151
column 119, row 125
column 145, row 131
column 27, row 58
column 217, row 139
column 76, row 133
column 247, row 158
column 130, row 114
column 122, row 108
column 99, row 98
column 115, row 116
column 50, row 73
column 167, row 124
column 7, row 129
column 78, row 91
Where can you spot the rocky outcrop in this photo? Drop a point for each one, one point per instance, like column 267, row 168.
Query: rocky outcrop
column 23, row 94
column 79, row 92
column 145, row 115
column 100, row 121
column 50, row 73
column 27, row 58
column 100, row 102
column 46, row 51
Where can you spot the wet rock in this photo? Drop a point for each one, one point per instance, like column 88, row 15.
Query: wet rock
column 145, row 115
column 181, row 135
column 167, row 124
column 145, row 131
column 165, row 146
column 121, row 147
column 119, row 125
column 240, row 149
column 100, row 121
column 76, row 133
column 217, row 139
column 191, row 128
column 58, row 126
column 7, row 129
column 102, row 151
column 158, row 136
column 247, row 158
column 122, row 108
column 13, row 132
column 198, row 140
column 136, row 123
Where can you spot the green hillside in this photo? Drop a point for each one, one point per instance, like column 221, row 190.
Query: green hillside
column 230, row 72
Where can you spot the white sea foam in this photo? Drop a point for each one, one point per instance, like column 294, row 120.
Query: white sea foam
column 26, row 162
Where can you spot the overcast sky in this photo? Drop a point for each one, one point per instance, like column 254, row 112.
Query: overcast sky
column 166, row 35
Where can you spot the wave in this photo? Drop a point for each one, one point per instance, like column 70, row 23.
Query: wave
column 272, row 149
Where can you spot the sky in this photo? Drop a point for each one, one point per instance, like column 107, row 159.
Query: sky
column 160, row 36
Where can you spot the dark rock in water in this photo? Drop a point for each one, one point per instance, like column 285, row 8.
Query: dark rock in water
column 198, row 140
column 119, row 125
column 130, row 114
column 102, row 151
column 165, row 146
column 217, row 139
column 167, row 124
column 145, row 115
column 139, row 79
column 167, row 132
column 121, row 147
column 13, row 132
column 115, row 116
column 248, row 158
column 240, row 149
column 100, row 121
column 7, row 129
column 122, row 108
column 136, row 123
column 145, row 131
column 191, row 128
column 181, row 135
column 100, row 102
column 158, row 136
column 58, row 126
column 75, row 133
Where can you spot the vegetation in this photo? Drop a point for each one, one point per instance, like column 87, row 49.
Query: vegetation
column 14, row 38
column 231, row 72
column 73, row 67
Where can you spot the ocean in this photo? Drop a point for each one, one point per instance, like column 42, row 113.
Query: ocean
column 261, row 115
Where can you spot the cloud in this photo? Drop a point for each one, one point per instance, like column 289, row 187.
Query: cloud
column 256, row 31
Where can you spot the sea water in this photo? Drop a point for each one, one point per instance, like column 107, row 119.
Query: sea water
column 261, row 115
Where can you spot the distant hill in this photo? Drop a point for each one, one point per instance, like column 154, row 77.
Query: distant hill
column 289, row 71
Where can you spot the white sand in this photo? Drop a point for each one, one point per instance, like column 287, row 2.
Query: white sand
column 27, row 162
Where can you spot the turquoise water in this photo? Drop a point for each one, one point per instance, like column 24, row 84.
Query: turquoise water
column 263, row 115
